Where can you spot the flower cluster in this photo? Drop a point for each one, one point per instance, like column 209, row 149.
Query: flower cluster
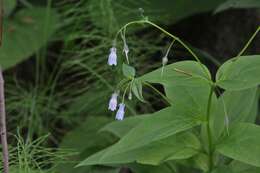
column 112, row 61
column 113, row 106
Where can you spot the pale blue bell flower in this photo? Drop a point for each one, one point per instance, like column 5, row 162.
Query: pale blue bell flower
column 113, row 102
column 112, row 58
column 121, row 112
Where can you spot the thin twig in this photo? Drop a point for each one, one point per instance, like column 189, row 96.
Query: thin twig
column 1, row 20
column 3, row 125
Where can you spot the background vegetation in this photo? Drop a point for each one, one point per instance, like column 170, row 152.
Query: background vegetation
column 54, row 57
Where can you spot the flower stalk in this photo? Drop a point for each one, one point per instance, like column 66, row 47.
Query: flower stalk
column 210, row 144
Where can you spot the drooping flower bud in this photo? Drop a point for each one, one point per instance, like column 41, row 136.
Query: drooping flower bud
column 112, row 58
column 113, row 102
column 164, row 60
column 130, row 96
column 121, row 112
column 126, row 51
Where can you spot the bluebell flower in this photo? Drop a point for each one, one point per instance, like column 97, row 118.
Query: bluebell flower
column 112, row 58
column 113, row 102
column 121, row 112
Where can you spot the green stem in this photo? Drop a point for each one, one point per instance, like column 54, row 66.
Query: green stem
column 249, row 42
column 170, row 35
column 210, row 145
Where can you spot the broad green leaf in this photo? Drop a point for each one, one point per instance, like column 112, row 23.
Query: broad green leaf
column 239, row 73
column 137, row 89
column 9, row 6
column 199, row 161
column 27, row 32
column 183, row 73
column 223, row 169
column 185, row 84
column 153, row 129
column 242, row 144
column 128, row 71
column 180, row 146
column 240, row 106
column 238, row 4
column 189, row 90
column 163, row 168
column 239, row 167
column 121, row 128
column 84, row 140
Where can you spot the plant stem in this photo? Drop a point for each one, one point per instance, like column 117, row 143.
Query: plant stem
column 1, row 20
column 249, row 42
column 3, row 125
column 210, row 146
column 170, row 35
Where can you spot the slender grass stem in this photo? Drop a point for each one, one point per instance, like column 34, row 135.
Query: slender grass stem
column 1, row 20
column 249, row 42
column 210, row 145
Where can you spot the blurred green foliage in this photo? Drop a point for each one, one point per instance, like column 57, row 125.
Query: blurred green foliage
column 54, row 54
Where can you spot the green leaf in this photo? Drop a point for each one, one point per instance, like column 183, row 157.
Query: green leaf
column 238, row 4
column 26, row 33
column 163, row 168
column 9, row 6
column 239, row 73
column 239, row 167
column 137, row 89
column 121, row 128
column 183, row 73
column 155, row 128
column 180, row 146
column 187, row 87
column 242, row 144
column 223, row 169
column 128, row 71
column 234, row 104
column 199, row 161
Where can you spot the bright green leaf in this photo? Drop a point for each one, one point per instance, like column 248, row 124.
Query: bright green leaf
column 137, row 89
column 154, row 128
column 121, row 128
column 239, row 167
column 128, row 71
column 239, row 73
column 183, row 73
column 240, row 106
column 223, row 169
column 187, row 87
column 163, row 168
column 242, row 144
